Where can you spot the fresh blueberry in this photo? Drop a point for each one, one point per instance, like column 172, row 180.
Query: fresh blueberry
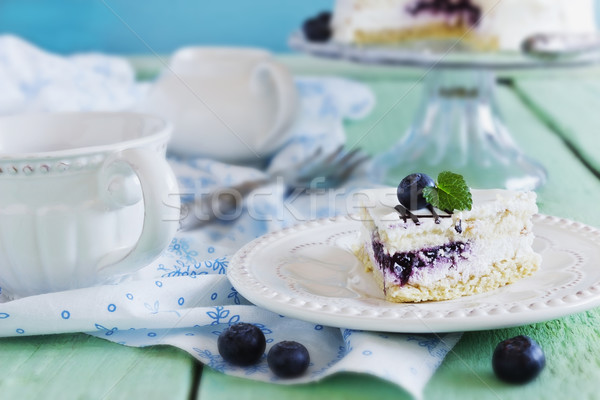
column 410, row 190
column 242, row 344
column 318, row 29
column 518, row 360
column 288, row 359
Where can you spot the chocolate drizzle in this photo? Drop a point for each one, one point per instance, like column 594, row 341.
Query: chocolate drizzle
column 405, row 214
column 458, row 226
column 448, row 7
column 435, row 215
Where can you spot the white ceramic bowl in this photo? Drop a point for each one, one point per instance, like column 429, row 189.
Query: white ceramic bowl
column 84, row 198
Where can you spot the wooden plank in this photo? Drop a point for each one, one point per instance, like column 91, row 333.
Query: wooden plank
column 571, row 347
column 396, row 104
column 571, row 186
column 78, row 366
column 570, row 107
column 149, row 66
column 215, row 385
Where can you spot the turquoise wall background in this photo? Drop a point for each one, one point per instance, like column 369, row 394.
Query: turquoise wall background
column 146, row 26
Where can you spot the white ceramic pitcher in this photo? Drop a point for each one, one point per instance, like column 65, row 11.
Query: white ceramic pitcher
column 231, row 104
column 84, row 197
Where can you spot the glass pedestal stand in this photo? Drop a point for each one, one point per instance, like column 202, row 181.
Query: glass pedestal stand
column 458, row 127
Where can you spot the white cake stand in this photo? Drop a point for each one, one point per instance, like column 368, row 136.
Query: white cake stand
column 458, row 125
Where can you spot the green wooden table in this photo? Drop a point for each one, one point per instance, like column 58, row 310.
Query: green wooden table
column 555, row 118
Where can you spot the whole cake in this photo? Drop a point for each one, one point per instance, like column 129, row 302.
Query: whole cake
column 479, row 24
column 431, row 254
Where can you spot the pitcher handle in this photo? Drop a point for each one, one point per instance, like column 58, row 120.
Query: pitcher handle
column 287, row 101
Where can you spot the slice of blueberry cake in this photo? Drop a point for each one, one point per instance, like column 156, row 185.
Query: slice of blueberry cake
column 418, row 252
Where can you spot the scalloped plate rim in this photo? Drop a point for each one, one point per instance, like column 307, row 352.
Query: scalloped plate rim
column 389, row 318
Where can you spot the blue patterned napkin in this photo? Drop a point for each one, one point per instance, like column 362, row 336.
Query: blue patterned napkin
column 184, row 298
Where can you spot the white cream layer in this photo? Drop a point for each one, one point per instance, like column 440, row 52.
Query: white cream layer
column 489, row 217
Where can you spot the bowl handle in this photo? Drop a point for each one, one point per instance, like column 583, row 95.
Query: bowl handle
column 287, row 101
column 161, row 206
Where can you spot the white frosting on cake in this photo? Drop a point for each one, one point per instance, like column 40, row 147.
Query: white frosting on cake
column 504, row 24
column 488, row 246
column 404, row 235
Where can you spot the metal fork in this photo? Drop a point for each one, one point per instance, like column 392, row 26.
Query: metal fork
column 317, row 172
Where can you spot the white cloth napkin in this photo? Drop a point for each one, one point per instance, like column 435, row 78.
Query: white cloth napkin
column 184, row 298
column 33, row 80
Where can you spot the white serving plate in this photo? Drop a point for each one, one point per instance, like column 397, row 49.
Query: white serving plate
column 309, row 272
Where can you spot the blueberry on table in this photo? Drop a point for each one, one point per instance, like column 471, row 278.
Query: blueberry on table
column 318, row 29
column 518, row 360
column 410, row 191
column 242, row 344
column 288, row 359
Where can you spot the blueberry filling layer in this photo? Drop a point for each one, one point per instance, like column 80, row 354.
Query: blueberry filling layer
column 403, row 264
column 448, row 7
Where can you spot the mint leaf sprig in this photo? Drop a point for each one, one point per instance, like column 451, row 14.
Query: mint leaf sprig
column 449, row 193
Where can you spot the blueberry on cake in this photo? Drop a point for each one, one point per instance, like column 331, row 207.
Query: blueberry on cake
column 440, row 240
